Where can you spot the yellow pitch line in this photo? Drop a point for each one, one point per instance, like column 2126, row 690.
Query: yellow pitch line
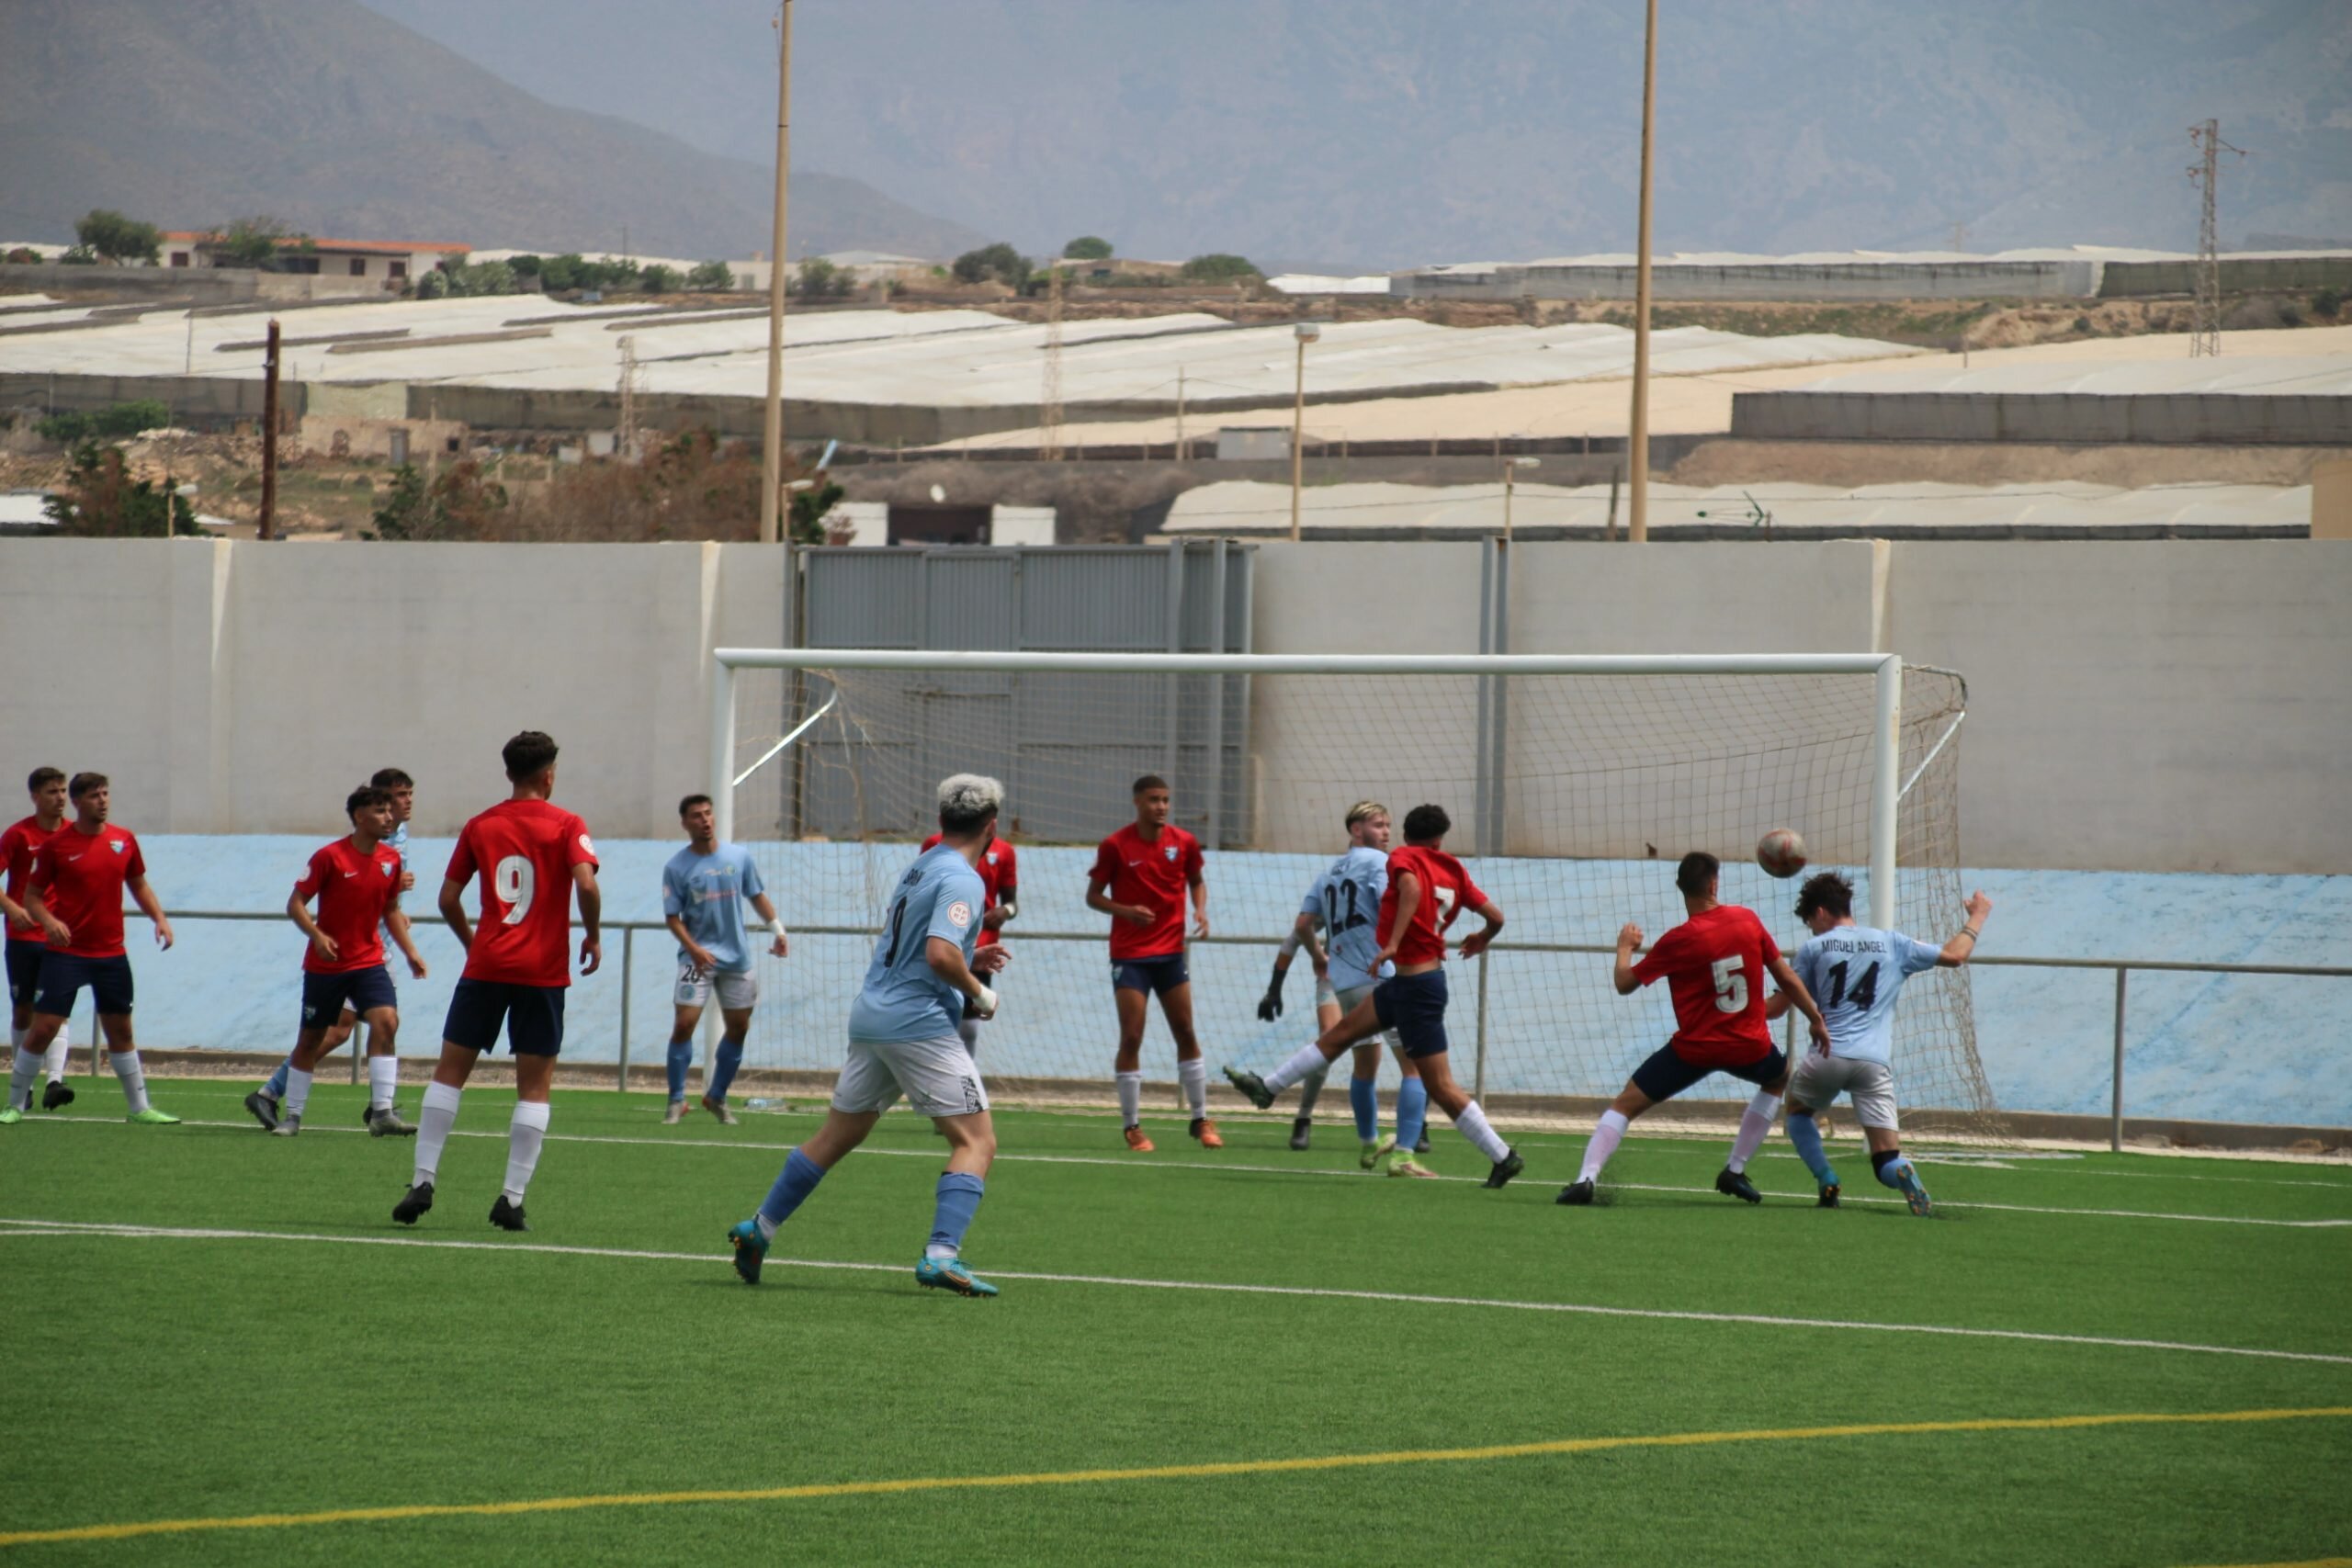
column 1150, row 1473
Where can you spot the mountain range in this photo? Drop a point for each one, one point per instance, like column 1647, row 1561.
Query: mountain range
column 341, row 122
column 1398, row 132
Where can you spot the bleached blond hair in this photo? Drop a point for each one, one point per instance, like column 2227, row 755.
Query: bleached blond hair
column 968, row 800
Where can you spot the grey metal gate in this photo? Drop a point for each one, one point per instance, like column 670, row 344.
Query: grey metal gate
column 1067, row 746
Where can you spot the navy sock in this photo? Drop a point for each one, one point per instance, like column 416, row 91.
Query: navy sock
column 1805, row 1134
column 1412, row 1113
column 1364, row 1098
column 722, row 1070
column 959, row 1200
column 792, row 1184
column 682, row 1057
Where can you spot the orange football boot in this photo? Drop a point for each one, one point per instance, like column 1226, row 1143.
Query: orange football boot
column 1138, row 1142
column 1206, row 1130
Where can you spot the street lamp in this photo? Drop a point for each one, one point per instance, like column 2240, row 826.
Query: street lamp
column 1305, row 333
column 1511, row 473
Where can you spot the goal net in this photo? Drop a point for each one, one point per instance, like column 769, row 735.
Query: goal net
column 1574, row 785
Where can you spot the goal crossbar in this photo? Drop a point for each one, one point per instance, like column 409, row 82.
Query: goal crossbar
column 1886, row 669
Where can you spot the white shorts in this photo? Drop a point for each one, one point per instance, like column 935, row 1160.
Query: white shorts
column 1355, row 994
column 938, row 1077
column 1819, row 1080
column 1324, row 995
column 735, row 990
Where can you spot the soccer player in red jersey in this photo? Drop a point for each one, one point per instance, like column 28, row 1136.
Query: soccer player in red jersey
column 1139, row 879
column 79, row 876
column 357, row 881
column 17, row 846
column 530, row 854
column 1427, row 890
column 1000, row 869
column 1714, row 962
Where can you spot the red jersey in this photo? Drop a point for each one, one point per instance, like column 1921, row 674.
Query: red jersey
column 1715, row 963
column 524, row 851
column 80, row 877
column 999, row 870
column 17, row 846
column 355, row 893
column 1446, row 891
column 1152, row 874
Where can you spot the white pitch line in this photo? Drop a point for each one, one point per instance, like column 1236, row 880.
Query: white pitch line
column 1216, row 1167
column 161, row 1232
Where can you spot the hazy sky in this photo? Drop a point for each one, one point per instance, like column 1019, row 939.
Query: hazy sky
column 1388, row 132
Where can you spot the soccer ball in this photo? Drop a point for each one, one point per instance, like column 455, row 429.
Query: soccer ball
column 1780, row 853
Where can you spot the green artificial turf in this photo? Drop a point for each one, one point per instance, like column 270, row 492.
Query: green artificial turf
column 160, row 1377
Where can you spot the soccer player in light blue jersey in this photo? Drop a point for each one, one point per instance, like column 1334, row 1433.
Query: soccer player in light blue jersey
column 902, row 1040
column 704, row 889
column 1855, row 972
column 1344, row 905
column 382, row 1117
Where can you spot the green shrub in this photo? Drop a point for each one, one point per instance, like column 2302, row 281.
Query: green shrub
column 1087, row 247
column 658, row 279
column 1219, row 267
column 112, row 422
column 711, row 276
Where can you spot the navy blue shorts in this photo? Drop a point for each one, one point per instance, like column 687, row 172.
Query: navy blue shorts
column 62, row 975
column 1158, row 975
column 1414, row 1006
column 1666, row 1074
column 362, row 990
column 532, row 1016
column 24, row 971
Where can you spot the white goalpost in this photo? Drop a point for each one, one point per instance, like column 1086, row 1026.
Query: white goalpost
column 1574, row 782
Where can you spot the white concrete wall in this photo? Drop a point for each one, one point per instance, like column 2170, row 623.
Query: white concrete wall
column 2168, row 706
column 243, row 687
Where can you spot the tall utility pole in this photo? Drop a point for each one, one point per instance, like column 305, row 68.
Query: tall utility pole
column 771, row 436
column 1305, row 333
column 269, row 529
column 1049, row 399
column 625, row 439
column 1637, row 439
column 2205, row 331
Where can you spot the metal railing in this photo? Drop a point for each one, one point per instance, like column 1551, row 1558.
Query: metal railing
column 2123, row 968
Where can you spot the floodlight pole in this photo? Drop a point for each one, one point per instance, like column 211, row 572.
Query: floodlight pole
column 1305, row 333
column 772, row 438
column 1637, row 440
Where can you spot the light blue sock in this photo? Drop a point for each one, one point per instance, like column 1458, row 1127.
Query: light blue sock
column 1412, row 1112
column 682, row 1057
column 722, row 1069
column 1364, row 1098
column 959, row 1199
column 792, row 1185
column 275, row 1087
column 1891, row 1169
column 1805, row 1134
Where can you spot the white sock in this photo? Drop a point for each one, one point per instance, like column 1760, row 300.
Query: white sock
column 1755, row 1124
column 1194, row 1075
column 383, row 1078
column 524, row 1134
column 134, row 1081
column 432, row 1126
column 1303, row 1061
column 298, row 1090
column 24, row 1071
column 1472, row 1124
column 1602, row 1144
column 1131, row 1097
column 55, row 1061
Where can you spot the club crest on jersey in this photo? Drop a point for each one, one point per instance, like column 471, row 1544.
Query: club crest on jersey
column 115, row 844
column 1168, row 853
column 384, row 866
column 991, row 857
column 585, row 847
column 959, row 914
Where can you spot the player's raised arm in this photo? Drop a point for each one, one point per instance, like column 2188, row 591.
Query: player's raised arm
column 1963, row 945
column 592, row 917
column 1629, row 942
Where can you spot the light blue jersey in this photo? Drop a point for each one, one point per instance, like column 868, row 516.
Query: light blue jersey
column 1855, row 974
column 1346, row 898
column 706, row 894
column 940, row 895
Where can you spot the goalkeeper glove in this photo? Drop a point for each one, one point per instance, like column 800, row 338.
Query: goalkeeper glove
column 1269, row 1005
